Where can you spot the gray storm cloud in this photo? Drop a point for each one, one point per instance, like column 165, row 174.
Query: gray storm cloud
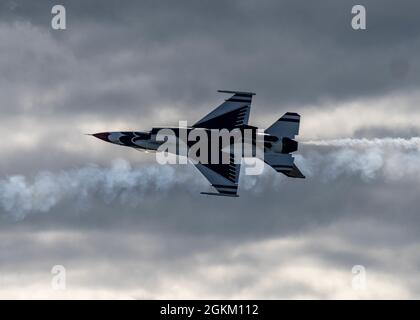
column 387, row 158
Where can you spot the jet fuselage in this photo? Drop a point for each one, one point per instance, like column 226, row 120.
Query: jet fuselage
column 148, row 140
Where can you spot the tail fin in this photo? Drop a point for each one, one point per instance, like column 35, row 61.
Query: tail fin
column 280, row 159
column 286, row 126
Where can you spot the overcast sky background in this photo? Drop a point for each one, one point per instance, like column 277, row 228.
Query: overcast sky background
column 124, row 227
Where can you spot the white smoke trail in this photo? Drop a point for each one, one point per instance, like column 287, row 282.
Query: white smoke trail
column 412, row 143
column 18, row 196
column 387, row 158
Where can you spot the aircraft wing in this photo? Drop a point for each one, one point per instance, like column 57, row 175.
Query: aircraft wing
column 223, row 177
column 232, row 113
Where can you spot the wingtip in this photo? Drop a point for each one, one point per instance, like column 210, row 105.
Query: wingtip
column 237, row 92
column 220, row 194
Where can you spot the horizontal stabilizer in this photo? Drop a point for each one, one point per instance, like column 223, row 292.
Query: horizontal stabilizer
column 294, row 173
column 279, row 161
column 283, row 163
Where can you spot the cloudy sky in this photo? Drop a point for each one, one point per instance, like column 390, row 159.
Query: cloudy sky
column 124, row 227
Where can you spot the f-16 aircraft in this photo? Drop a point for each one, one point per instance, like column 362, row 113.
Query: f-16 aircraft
column 233, row 113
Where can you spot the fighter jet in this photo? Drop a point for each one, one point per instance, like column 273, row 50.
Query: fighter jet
column 233, row 114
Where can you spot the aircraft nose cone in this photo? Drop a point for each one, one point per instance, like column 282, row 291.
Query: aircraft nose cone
column 102, row 136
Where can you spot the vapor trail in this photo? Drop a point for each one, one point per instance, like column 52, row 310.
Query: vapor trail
column 386, row 158
column 120, row 182
column 412, row 143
